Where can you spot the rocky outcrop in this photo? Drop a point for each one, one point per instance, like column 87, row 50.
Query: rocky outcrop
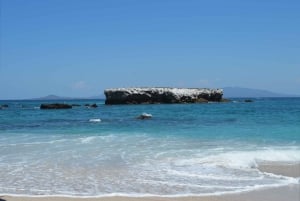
column 161, row 95
column 55, row 106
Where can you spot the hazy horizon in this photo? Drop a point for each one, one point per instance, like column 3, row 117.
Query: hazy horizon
column 228, row 92
column 76, row 48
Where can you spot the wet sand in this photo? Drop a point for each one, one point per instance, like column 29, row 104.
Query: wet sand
column 287, row 169
column 285, row 193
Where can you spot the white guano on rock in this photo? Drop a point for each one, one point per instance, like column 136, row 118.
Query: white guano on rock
column 154, row 95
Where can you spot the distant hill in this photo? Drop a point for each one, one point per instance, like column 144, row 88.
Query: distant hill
column 54, row 97
column 230, row 92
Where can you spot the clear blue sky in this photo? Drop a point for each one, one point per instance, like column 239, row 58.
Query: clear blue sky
column 78, row 48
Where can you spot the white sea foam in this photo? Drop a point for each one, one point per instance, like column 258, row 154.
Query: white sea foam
column 243, row 159
column 249, row 159
column 138, row 165
column 87, row 139
column 95, row 120
column 99, row 139
column 214, row 176
column 72, row 194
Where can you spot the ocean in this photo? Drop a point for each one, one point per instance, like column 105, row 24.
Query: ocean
column 184, row 149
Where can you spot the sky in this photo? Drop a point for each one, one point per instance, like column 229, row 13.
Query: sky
column 78, row 48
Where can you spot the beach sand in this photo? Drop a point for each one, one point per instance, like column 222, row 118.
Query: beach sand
column 287, row 169
column 285, row 193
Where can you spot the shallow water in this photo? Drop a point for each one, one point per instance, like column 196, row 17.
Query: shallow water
column 185, row 149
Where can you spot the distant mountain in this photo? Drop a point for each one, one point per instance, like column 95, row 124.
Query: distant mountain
column 54, row 97
column 230, row 92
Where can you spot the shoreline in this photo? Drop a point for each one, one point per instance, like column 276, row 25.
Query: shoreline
column 289, row 192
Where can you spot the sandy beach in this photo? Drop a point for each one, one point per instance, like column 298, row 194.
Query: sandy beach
column 287, row 193
column 284, row 193
column 287, row 169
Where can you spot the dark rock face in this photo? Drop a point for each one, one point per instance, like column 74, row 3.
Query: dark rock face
column 161, row 95
column 55, row 106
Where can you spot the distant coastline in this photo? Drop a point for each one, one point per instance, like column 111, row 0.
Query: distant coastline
column 55, row 97
column 241, row 92
column 228, row 92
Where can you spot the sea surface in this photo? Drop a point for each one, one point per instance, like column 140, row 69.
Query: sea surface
column 185, row 149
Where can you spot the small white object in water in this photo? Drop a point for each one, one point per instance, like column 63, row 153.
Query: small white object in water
column 145, row 116
column 95, row 120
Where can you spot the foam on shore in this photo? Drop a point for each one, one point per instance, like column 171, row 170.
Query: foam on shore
column 290, row 193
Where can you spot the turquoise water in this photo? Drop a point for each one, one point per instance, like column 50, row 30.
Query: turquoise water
column 185, row 149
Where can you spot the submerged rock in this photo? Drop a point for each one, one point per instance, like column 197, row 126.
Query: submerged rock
column 55, row 106
column 94, row 105
column 4, row 106
column 161, row 95
column 91, row 105
column 248, row 101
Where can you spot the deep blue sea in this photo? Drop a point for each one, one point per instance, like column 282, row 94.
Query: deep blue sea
column 185, row 149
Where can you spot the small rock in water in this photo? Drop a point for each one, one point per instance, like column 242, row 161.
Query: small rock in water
column 55, row 106
column 145, row 116
column 5, row 105
column 248, row 101
column 91, row 105
column 94, row 105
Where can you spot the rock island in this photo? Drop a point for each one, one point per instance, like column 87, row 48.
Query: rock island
column 145, row 95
